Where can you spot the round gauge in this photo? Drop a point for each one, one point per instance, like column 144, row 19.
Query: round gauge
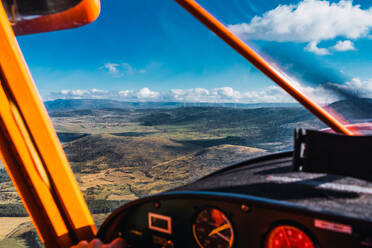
column 288, row 237
column 213, row 229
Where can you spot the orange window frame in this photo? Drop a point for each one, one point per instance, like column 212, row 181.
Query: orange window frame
column 33, row 155
column 85, row 12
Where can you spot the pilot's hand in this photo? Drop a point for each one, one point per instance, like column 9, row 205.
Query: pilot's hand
column 96, row 243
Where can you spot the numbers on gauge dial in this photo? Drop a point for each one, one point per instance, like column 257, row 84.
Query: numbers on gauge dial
column 287, row 237
column 213, row 229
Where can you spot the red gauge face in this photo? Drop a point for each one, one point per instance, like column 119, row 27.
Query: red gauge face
column 213, row 229
column 288, row 237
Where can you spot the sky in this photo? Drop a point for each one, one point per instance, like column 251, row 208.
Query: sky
column 147, row 50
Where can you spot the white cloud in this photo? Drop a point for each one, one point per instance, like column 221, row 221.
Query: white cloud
column 343, row 46
column 111, row 68
column 121, row 69
column 309, row 20
column 146, row 93
column 125, row 93
column 79, row 94
column 99, row 92
column 313, row 47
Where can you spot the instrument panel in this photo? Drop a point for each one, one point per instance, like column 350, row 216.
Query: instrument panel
column 224, row 220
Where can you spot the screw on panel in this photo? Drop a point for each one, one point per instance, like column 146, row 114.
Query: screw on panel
column 244, row 208
column 169, row 244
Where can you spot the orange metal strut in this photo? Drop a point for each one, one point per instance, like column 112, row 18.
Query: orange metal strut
column 224, row 33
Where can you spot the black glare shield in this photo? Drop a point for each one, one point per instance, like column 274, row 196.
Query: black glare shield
column 320, row 152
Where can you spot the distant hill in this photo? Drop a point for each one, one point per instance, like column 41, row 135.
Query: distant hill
column 108, row 151
column 220, row 116
column 103, row 151
column 193, row 166
column 354, row 109
column 84, row 104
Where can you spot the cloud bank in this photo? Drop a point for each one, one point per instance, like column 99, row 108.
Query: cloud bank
column 216, row 95
column 313, row 47
column 272, row 94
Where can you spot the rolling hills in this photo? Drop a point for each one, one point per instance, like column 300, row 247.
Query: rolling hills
column 120, row 150
column 125, row 153
column 141, row 145
column 109, row 167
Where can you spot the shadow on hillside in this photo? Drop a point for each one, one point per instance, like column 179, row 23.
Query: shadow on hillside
column 258, row 142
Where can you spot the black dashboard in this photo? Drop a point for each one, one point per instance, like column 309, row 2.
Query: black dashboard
column 209, row 213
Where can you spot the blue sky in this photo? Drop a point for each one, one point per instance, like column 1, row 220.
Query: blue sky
column 155, row 50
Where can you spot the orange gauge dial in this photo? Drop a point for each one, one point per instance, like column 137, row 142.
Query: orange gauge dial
column 213, row 229
column 288, row 237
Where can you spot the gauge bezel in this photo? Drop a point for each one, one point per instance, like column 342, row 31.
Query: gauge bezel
column 293, row 224
column 227, row 219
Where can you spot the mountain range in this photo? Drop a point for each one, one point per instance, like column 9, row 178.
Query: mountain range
column 83, row 104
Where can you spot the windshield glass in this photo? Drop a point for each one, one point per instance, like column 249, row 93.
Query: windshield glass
column 322, row 46
column 146, row 99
